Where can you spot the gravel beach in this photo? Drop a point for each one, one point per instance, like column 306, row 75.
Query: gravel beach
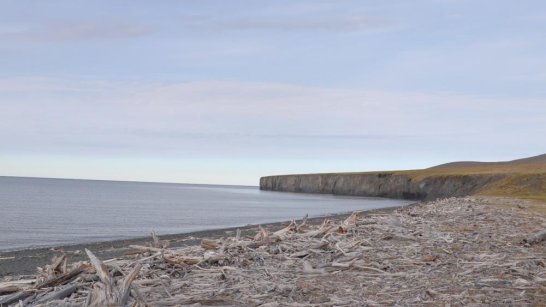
column 458, row 251
column 23, row 262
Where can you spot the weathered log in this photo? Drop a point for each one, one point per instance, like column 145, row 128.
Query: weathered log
column 155, row 238
column 102, row 272
column 146, row 248
column 209, row 244
column 324, row 228
column 181, row 260
column 9, row 289
column 12, row 298
column 57, row 263
column 213, row 257
column 536, row 237
column 351, row 220
column 59, row 294
column 262, row 235
column 281, row 234
column 303, row 225
column 14, row 286
column 62, row 279
column 308, row 269
column 123, row 294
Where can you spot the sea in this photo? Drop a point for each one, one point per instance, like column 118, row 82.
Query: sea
column 44, row 212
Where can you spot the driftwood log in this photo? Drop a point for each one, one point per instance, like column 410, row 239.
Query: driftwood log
column 536, row 237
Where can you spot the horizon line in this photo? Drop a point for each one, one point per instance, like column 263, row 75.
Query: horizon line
column 131, row 181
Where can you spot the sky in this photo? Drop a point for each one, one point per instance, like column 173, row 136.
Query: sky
column 223, row 92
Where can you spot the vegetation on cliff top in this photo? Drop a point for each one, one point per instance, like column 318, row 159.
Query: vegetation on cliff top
column 525, row 178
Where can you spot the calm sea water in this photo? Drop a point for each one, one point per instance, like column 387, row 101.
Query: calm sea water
column 37, row 212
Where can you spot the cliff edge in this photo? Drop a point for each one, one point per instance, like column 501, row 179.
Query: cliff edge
column 523, row 178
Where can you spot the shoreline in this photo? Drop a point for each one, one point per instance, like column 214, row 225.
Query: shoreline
column 456, row 251
column 25, row 261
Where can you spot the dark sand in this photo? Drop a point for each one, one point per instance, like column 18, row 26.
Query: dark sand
column 24, row 262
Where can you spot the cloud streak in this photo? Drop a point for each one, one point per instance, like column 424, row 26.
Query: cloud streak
column 328, row 23
column 230, row 118
column 61, row 32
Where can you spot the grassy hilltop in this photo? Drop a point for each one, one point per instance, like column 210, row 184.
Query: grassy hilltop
column 526, row 177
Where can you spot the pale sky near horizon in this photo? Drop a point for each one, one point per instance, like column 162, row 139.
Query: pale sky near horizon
column 228, row 91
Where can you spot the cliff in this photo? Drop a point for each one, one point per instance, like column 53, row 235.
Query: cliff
column 381, row 185
column 524, row 178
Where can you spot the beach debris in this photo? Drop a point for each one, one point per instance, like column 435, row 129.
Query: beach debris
column 457, row 251
column 536, row 237
column 283, row 233
column 210, row 244
column 8, row 287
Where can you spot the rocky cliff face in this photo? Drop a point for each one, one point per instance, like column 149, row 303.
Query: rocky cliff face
column 389, row 185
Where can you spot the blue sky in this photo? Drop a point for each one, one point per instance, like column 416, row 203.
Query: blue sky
column 228, row 91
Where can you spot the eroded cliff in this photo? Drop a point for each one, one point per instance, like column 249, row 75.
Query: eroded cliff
column 522, row 178
column 391, row 185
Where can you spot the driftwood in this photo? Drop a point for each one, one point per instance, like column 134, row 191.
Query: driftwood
column 55, row 267
column 62, row 279
column 302, row 227
column 155, row 238
column 59, row 294
column 308, row 269
column 16, row 297
column 15, row 286
column 281, row 234
column 262, row 235
column 461, row 251
column 536, row 237
column 210, row 244
column 123, row 293
column 106, row 294
column 8, row 289
column 104, row 275
column 157, row 242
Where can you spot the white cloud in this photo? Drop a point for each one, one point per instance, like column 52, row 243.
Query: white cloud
column 222, row 118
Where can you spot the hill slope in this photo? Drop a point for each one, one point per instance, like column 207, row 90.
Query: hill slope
column 526, row 178
column 535, row 164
